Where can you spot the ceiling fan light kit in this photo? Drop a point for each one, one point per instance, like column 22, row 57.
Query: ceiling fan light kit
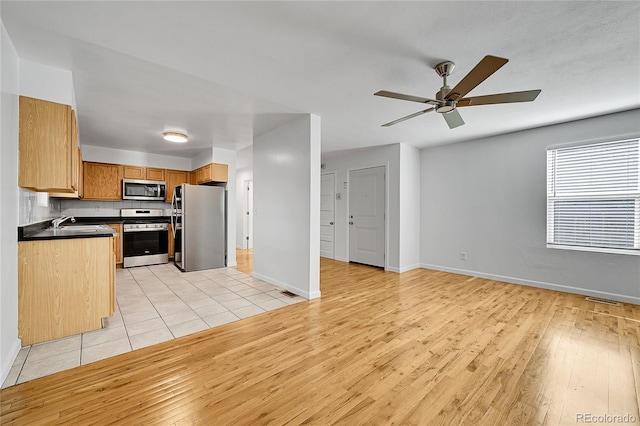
column 448, row 100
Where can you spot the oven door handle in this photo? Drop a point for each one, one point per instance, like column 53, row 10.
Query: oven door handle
column 146, row 230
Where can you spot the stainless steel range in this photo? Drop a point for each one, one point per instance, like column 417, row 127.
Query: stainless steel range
column 145, row 237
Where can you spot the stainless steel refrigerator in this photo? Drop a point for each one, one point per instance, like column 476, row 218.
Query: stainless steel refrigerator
column 198, row 217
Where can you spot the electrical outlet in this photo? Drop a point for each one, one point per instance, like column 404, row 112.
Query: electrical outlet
column 463, row 255
column 97, row 206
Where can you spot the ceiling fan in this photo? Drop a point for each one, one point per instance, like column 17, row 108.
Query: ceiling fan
column 448, row 100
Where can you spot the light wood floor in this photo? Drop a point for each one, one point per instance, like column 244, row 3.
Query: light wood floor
column 423, row 347
column 244, row 261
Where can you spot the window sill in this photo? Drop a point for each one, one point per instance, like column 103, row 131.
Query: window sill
column 595, row 249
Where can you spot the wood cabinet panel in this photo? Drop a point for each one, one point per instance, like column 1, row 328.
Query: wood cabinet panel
column 155, row 174
column 143, row 173
column 45, row 146
column 117, row 241
column 78, row 172
column 64, row 287
column 219, row 172
column 212, row 172
column 173, row 179
column 134, row 172
column 102, row 181
column 172, row 248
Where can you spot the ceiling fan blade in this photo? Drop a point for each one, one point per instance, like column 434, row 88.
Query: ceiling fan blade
column 395, row 95
column 453, row 118
column 400, row 120
column 500, row 98
column 487, row 66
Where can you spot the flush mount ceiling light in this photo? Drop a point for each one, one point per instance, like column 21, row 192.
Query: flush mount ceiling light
column 175, row 137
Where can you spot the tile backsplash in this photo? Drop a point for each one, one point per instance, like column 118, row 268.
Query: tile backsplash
column 82, row 208
column 36, row 206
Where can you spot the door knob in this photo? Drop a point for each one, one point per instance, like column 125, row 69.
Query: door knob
column 330, row 223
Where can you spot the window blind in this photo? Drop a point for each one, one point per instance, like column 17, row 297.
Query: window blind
column 593, row 196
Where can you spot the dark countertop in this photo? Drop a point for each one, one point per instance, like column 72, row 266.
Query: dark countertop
column 43, row 231
column 93, row 220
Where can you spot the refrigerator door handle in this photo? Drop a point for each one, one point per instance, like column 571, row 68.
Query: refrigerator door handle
column 173, row 213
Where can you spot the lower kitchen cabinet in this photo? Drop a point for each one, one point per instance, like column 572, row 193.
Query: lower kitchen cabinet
column 65, row 287
column 117, row 241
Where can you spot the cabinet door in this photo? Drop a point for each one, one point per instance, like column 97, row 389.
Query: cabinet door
column 173, row 179
column 194, row 177
column 102, row 181
column 117, row 241
column 205, row 174
column 134, row 172
column 45, row 147
column 155, row 174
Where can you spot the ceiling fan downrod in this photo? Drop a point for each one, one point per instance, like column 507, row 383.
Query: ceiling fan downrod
column 444, row 70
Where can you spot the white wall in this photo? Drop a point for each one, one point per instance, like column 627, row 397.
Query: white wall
column 36, row 206
column 225, row 156
column 10, row 79
column 201, row 159
column 286, row 197
column 342, row 162
column 244, row 172
column 487, row 197
column 119, row 156
column 48, row 83
column 409, row 257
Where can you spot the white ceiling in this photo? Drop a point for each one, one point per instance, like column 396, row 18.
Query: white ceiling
column 229, row 71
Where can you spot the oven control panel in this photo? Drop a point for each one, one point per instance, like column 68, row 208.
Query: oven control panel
column 128, row 227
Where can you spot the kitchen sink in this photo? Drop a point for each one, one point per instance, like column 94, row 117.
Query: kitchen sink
column 73, row 230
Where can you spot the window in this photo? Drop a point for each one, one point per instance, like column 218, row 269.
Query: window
column 593, row 197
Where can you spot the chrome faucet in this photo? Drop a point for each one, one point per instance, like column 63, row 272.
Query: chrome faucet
column 56, row 222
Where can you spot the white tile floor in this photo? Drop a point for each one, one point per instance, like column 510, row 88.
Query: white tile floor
column 155, row 304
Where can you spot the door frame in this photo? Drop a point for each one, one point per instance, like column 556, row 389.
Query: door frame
column 246, row 232
column 335, row 191
column 386, row 209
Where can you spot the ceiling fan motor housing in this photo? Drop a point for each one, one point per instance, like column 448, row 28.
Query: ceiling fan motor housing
column 446, row 105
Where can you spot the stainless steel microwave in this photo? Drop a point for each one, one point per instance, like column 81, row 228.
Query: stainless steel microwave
column 150, row 190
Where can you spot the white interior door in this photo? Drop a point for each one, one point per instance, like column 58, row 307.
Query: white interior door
column 366, row 216
column 327, row 215
column 247, row 237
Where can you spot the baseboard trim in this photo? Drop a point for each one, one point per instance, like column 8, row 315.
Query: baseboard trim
column 539, row 284
column 342, row 259
column 299, row 292
column 404, row 268
column 7, row 362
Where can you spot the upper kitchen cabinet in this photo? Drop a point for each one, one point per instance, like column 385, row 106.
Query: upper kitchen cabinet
column 212, row 172
column 48, row 139
column 102, row 181
column 155, row 174
column 173, row 179
column 144, row 173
